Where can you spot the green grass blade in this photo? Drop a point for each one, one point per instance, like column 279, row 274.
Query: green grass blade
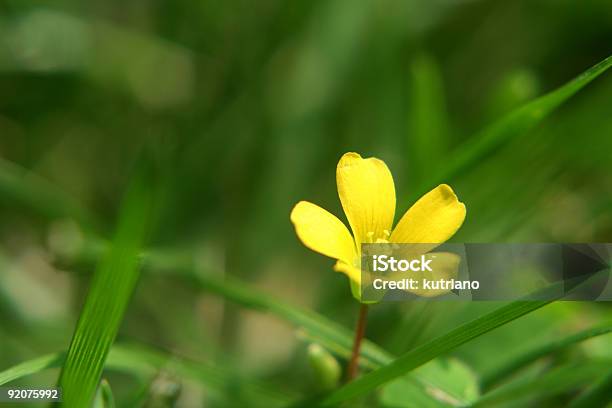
column 432, row 349
column 512, row 125
column 519, row 361
column 598, row 395
column 109, row 294
column 30, row 367
column 557, row 381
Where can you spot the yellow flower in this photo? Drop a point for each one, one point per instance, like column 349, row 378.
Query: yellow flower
column 367, row 194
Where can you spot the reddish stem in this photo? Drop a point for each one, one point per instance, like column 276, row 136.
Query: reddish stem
column 353, row 366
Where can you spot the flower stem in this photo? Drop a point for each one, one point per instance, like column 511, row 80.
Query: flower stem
column 353, row 366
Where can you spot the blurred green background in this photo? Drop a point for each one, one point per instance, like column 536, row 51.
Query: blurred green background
column 245, row 108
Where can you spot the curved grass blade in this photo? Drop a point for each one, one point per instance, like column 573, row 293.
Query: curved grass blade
column 519, row 361
column 432, row 349
column 512, row 125
column 598, row 395
column 451, row 340
column 557, row 381
column 30, row 367
column 109, row 294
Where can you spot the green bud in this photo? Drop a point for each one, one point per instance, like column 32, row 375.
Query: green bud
column 325, row 368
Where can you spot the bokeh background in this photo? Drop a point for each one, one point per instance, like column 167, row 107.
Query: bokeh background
column 246, row 108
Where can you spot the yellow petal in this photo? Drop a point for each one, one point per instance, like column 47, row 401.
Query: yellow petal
column 434, row 218
column 353, row 272
column 367, row 193
column 322, row 232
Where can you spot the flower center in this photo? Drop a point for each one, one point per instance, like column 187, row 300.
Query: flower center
column 371, row 239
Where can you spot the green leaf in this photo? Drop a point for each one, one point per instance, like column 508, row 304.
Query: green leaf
column 432, row 349
column 516, row 362
column 557, row 381
column 512, row 125
column 402, row 394
column 110, row 292
column 399, row 393
column 461, row 381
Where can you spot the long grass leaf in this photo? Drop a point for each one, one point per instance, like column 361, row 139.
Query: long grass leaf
column 432, row 349
column 512, row 125
column 519, row 361
column 108, row 297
